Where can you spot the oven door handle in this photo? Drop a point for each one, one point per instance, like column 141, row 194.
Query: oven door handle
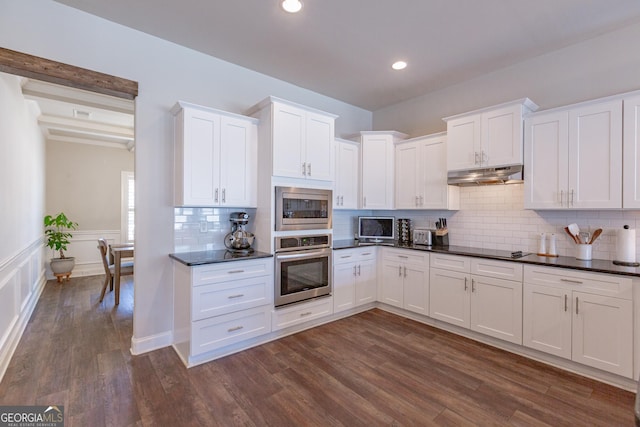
column 304, row 254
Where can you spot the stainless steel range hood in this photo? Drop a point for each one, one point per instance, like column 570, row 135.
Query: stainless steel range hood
column 486, row 176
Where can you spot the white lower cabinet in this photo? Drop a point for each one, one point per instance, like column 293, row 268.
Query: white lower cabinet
column 354, row 278
column 216, row 305
column 405, row 279
column 584, row 317
column 479, row 294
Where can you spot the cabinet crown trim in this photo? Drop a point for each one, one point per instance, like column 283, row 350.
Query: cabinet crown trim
column 180, row 105
column 273, row 99
column 528, row 105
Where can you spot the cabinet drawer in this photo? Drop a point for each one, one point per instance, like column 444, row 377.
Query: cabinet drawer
column 226, row 297
column 235, row 270
column 406, row 256
column 500, row 269
column 216, row 332
column 289, row 316
column 343, row 256
column 451, row 262
column 601, row 284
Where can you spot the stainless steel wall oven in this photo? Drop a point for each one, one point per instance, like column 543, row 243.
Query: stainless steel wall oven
column 303, row 268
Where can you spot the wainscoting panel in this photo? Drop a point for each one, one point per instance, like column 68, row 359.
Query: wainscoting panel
column 21, row 283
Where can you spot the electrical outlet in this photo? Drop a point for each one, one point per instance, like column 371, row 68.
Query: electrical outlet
column 203, row 226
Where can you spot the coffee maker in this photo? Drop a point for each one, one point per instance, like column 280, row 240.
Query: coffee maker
column 239, row 240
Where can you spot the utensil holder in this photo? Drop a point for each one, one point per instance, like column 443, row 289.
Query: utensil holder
column 583, row 252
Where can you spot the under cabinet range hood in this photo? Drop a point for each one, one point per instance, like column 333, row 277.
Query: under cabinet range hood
column 486, row 176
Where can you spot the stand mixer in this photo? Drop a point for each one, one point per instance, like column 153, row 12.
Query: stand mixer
column 239, row 240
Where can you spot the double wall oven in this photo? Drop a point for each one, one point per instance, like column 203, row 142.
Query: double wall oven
column 302, row 261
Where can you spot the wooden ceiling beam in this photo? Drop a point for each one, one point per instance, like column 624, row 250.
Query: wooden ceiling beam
column 34, row 67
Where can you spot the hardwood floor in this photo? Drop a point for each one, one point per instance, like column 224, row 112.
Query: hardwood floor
column 371, row 369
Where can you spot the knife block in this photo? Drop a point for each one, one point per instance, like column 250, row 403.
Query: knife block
column 442, row 238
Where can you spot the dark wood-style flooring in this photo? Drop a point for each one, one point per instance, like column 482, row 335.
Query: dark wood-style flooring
column 371, row 369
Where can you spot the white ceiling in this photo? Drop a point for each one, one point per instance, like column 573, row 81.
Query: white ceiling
column 344, row 48
column 79, row 116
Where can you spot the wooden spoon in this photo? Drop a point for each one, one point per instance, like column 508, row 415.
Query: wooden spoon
column 596, row 234
column 575, row 239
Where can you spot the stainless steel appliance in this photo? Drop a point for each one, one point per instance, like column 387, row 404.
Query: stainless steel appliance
column 239, row 240
column 302, row 208
column 422, row 236
column 303, row 268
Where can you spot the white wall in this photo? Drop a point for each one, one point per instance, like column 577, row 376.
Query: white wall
column 22, row 209
column 602, row 66
column 166, row 73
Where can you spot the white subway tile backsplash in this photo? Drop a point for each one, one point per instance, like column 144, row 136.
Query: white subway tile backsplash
column 494, row 217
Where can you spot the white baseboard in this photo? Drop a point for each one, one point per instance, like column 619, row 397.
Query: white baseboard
column 150, row 343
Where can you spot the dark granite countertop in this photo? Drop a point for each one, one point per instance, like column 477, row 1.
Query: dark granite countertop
column 212, row 257
column 594, row 266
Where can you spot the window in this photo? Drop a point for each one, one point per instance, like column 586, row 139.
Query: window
column 128, row 208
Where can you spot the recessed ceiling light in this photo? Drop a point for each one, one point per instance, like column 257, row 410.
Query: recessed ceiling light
column 399, row 65
column 292, row 6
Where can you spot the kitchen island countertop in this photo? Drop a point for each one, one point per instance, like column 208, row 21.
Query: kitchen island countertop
column 215, row 256
column 594, row 266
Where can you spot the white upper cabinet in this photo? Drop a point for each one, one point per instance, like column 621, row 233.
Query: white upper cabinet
column 215, row 157
column 573, row 157
column 631, row 152
column 421, row 174
column 347, row 183
column 301, row 138
column 487, row 138
column 377, row 152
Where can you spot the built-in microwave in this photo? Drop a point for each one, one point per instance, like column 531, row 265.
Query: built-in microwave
column 303, row 208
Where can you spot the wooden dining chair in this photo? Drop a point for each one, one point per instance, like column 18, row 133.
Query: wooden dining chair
column 109, row 268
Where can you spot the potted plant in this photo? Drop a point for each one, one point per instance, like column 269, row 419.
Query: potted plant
column 58, row 236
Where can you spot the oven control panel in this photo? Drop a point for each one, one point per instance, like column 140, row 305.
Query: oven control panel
column 292, row 243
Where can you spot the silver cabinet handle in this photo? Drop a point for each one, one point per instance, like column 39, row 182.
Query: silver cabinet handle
column 235, row 271
column 417, row 201
column 561, row 197
column 341, row 200
column 565, row 303
column 304, row 169
column 399, row 271
column 215, row 197
column 578, row 282
column 476, row 156
column 473, row 285
column 364, row 201
column 571, row 198
column 224, row 195
column 309, row 169
column 308, row 313
column 421, row 201
column 358, row 269
column 577, row 311
column 354, row 270
column 465, row 284
column 405, row 272
column 484, row 158
column 403, row 256
column 236, row 328
column 345, row 256
column 235, row 296
column 366, row 253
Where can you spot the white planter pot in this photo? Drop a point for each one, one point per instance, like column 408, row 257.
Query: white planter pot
column 62, row 266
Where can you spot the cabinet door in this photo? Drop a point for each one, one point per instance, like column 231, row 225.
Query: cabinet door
column 366, row 282
column 432, row 179
column 501, row 141
column 377, row 172
column 547, row 319
column 546, row 159
column 496, row 308
column 603, row 333
column 318, row 151
column 595, row 156
column 416, row 289
column 449, row 298
column 463, row 148
column 200, row 154
column 347, row 175
column 344, row 277
column 406, row 182
column 631, row 153
column 288, row 141
column 391, row 289
column 238, row 168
